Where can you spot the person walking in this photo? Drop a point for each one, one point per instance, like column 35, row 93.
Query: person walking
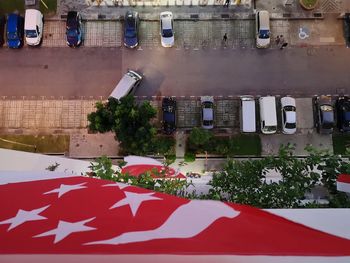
column 227, row 3
column 278, row 40
column 225, row 38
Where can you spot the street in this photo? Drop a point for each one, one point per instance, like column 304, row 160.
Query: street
column 86, row 72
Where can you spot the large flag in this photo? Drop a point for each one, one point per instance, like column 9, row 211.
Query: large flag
column 82, row 215
column 136, row 165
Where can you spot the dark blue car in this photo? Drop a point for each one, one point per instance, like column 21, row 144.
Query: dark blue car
column 169, row 115
column 2, row 29
column 131, row 28
column 14, row 31
column 73, row 29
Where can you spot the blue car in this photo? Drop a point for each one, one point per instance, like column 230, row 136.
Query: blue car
column 73, row 29
column 14, row 31
column 131, row 28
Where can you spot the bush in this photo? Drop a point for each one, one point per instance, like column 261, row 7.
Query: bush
column 190, row 157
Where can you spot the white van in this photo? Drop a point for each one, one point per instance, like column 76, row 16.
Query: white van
column 127, row 84
column 262, row 29
column 248, row 120
column 268, row 114
column 33, row 27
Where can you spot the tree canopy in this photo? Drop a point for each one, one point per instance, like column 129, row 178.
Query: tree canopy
column 130, row 122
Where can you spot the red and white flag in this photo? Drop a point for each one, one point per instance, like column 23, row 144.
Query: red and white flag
column 82, row 215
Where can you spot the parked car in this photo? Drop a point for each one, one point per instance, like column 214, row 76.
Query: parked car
column 14, row 31
column 262, row 29
column 343, row 110
column 268, row 114
column 2, row 29
column 289, row 116
column 33, row 27
column 73, row 29
column 131, row 29
column 207, row 113
column 169, row 115
column 325, row 115
column 166, row 29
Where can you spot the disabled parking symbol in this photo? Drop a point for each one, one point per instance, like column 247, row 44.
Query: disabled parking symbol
column 304, row 33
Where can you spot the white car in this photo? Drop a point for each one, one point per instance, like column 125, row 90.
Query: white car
column 166, row 29
column 289, row 116
column 207, row 113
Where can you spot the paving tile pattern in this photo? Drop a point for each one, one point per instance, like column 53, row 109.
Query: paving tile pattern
column 47, row 114
column 227, row 113
column 188, row 34
column 188, row 112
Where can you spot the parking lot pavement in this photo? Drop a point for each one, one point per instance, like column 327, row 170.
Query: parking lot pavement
column 227, row 113
column 305, row 119
column 84, row 145
column 45, row 114
column 188, row 34
column 188, row 113
column 54, row 34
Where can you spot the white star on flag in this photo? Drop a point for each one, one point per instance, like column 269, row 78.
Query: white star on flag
column 24, row 216
column 134, row 200
column 65, row 188
column 120, row 185
column 64, row 229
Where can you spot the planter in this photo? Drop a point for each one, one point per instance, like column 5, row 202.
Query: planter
column 308, row 4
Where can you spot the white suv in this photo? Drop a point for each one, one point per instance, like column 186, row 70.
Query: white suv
column 33, row 26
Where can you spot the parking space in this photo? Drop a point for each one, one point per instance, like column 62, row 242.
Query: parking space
column 188, row 113
column 227, row 113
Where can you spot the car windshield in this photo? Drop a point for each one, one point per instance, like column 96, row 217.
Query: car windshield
column 289, row 108
column 290, row 125
column 270, row 128
column 167, row 33
column 31, row 33
column 327, row 108
column 12, row 35
column 264, row 34
column 207, row 123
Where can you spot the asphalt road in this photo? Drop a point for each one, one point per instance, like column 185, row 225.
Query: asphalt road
column 94, row 72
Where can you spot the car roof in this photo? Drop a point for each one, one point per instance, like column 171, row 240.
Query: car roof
column 328, row 116
column 291, row 116
column 12, row 22
column 208, row 114
column 166, row 19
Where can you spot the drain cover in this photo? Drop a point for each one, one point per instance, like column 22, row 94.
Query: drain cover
column 225, row 16
column 194, row 16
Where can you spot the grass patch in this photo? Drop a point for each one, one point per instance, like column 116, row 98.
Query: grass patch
column 52, row 7
column 39, row 144
column 10, row 6
column 340, row 143
column 249, row 145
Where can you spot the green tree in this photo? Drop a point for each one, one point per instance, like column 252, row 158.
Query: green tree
column 129, row 120
column 102, row 120
column 102, row 168
column 199, row 137
column 245, row 181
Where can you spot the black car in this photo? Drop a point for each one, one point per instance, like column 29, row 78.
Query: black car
column 325, row 115
column 2, row 29
column 169, row 115
column 131, row 28
column 73, row 29
column 343, row 110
